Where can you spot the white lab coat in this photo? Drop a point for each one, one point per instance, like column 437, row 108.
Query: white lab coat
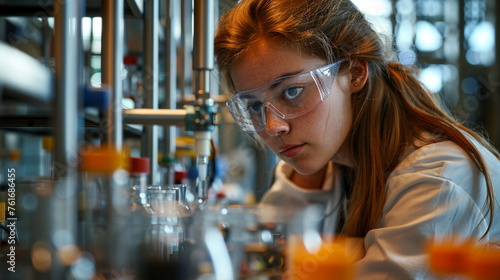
column 434, row 193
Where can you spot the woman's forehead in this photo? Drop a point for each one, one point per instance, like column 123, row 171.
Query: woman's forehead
column 265, row 61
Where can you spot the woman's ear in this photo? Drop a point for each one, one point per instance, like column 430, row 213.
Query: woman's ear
column 359, row 75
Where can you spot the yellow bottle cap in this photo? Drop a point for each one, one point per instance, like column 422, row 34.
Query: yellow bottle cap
column 102, row 160
column 15, row 155
column 48, row 143
column 184, row 153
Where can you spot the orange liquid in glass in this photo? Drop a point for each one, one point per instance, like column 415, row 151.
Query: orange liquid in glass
column 329, row 261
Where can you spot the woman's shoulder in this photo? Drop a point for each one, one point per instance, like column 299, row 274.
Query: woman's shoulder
column 434, row 155
column 448, row 161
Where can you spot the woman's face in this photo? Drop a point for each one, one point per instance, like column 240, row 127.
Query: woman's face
column 307, row 142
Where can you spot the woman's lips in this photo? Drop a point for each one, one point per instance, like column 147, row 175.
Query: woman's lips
column 290, row 150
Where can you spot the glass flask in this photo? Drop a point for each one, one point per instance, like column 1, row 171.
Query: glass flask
column 141, row 211
column 104, row 210
column 166, row 232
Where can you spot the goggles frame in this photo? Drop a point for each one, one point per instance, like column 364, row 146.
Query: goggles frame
column 251, row 122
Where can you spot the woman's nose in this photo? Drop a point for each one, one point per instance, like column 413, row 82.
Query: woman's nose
column 275, row 125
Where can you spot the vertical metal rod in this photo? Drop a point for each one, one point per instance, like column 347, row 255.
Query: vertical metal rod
column 112, row 60
column 151, row 66
column 203, row 63
column 186, row 47
column 203, row 53
column 68, row 58
column 173, row 24
column 68, row 84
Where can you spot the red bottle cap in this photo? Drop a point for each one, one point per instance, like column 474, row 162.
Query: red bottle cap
column 139, row 165
column 130, row 60
column 180, row 175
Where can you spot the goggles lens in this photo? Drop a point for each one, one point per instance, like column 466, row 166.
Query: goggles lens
column 288, row 97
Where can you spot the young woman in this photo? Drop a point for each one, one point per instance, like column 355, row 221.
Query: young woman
column 356, row 131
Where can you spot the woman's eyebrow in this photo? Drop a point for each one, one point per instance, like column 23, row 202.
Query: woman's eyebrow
column 274, row 83
column 277, row 81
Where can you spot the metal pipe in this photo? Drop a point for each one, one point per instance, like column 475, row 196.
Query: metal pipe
column 68, row 57
column 175, row 117
column 69, row 80
column 112, row 56
column 151, row 66
column 172, row 24
column 185, row 48
column 203, row 54
column 203, row 35
column 203, row 63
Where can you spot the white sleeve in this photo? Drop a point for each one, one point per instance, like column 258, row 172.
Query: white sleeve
column 423, row 203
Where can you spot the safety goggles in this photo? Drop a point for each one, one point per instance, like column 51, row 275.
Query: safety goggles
column 288, row 97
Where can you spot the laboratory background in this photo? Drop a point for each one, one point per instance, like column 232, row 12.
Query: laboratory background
column 110, row 109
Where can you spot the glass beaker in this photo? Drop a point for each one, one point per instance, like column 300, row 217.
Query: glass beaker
column 166, row 233
column 311, row 255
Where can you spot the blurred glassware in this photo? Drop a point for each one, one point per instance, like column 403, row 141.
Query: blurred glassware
column 167, row 232
column 255, row 238
column 206, row 255
column 139, row 171
column 48, row 154
column 458, row 258
column 167, row 170
column 311, row 255
column 163, row 253
column 105, row 210
column 132, row 83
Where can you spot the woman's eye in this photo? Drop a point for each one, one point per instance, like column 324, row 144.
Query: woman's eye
column 255, row 107
column 292, row 92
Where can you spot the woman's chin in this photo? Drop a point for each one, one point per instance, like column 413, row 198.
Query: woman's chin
column 306, row 169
